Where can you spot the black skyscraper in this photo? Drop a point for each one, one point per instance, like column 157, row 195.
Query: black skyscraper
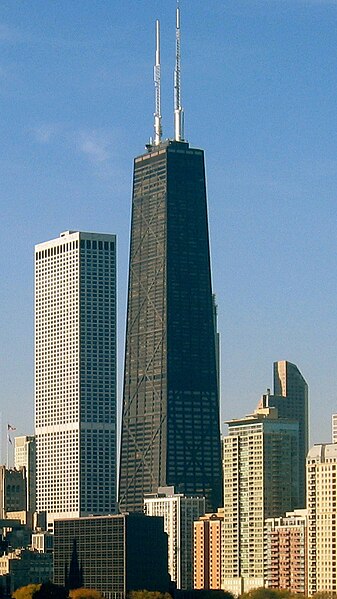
column 170, row 421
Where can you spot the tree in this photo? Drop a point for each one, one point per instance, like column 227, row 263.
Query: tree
column 83, row 593
column 262, row 593
column 26, row 592
column 149, row 595
column 48, row 590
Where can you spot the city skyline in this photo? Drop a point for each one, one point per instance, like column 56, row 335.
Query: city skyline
column 70, row 134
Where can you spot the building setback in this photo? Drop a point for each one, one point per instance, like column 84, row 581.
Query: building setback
column 179, row 513
column 75, row 374
column 261, row 480
column 286, row 552
column 117, row 554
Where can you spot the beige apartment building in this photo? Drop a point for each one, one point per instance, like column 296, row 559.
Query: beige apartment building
column 261, row 480
column 286, row 552
column 208, row 551
column 322, row 518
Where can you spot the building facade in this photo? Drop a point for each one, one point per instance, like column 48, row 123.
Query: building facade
column 75, row 374
column 208, row 551
column 291, row 399
column 286, row 552
column 322, row 518
column 179, row 513
column 25, row 457
column 170, row 420
column 261, row 480
column 334, row 428
column 117, row 554
column 13, row 494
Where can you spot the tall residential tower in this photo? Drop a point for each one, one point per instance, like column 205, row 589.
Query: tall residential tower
column 170, row 420
column 75, row 375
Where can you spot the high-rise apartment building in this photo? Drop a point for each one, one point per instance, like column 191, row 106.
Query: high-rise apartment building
column 286, row 552
column 179, row 513
column 75, row 374
column 261, row 480
column 334, row 428
column 291, row 400
column 25, row 457
column 322, row 518
column 208, row 551
column 170, row 419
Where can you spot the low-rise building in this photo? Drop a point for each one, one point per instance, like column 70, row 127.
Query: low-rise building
column 117, row 554
column 23, row 567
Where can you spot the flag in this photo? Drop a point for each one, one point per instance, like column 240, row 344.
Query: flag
column 10, row 440
column 10, row 427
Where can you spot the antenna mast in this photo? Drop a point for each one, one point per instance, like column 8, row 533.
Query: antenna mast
column 178, row 111
column 157, row 90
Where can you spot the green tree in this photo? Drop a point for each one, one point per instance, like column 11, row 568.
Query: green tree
column 26, row 592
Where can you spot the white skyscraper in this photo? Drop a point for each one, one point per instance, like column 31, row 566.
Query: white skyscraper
column 75, row 375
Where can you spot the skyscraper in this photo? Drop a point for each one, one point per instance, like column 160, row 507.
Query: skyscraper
column 170, row 420
column 260, row 457
column 75, row 374
column 322, row 518
column 291, row 400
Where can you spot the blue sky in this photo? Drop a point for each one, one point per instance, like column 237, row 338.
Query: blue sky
column 259, row 89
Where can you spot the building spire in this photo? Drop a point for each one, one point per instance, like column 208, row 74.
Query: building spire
column 157, row 90
column 178, row 111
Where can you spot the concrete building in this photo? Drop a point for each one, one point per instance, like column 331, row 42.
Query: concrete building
column 261, row 480
column 75, row 375
column 25, row 457
column 291, row 400
column 334, row 428
column 117, row 553
column 12, row 491
column 286, row 552
column 24, row 567
column 179, row 513
column 322, row 518
column 208, row 551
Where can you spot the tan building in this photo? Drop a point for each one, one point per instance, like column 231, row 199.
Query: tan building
column 208, row 548
column 286, row 552
column 322, row 518
column 261, row 480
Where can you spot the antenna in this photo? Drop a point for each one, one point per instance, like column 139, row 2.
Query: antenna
column 178, row 111
column 157, row 90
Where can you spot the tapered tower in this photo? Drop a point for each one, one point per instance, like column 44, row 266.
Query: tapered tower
column 170, row 421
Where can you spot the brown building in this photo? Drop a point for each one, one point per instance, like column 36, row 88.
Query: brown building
column 208, row 535
column 286, row 554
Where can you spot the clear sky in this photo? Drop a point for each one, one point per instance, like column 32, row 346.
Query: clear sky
column 259, row 89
